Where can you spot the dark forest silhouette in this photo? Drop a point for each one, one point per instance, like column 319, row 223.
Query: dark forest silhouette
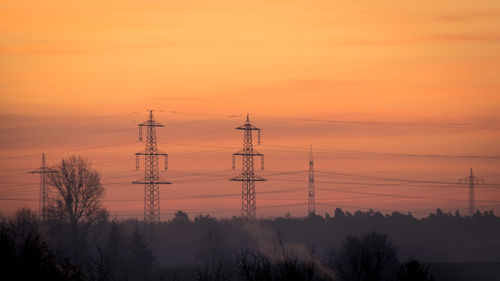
column 385, row 247
column 79, row 241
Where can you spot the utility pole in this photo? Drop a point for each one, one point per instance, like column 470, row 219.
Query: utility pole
column 248, row 177
column 471, row 180
column 311, row 204
column 43, row 198
column 151, row 178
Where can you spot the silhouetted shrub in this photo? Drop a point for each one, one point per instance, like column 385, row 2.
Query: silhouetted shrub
column 369, row 258
column 414, row 271
column 32, row 260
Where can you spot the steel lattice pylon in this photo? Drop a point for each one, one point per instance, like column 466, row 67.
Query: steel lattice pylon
column 44, row 191
column 311, row 203
column 471, row 180
column 248, row 177
column 151, row 178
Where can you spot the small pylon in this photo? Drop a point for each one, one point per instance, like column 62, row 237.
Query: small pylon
column 311, row 204
column 151, row 178
column 44, row 190
column 248, row 177
column 471, row 180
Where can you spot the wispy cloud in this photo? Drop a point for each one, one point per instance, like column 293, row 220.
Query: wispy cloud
column 463, row 38
column 466, row 16
column 55, row 47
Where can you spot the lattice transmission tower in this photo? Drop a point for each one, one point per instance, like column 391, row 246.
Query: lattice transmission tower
column 471, row 180
column 43, row 198
column 151, row 178
column 311, row 203
column 248, row 176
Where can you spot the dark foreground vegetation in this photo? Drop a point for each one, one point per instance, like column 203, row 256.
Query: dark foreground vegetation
column 359, row 246
column 76, row 240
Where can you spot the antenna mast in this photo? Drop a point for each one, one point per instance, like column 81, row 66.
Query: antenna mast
column 311, row 204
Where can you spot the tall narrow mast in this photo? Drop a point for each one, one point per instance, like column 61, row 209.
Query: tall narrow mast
column 311, row 204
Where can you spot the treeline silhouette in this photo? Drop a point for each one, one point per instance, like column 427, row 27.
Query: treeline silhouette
column 342, row 246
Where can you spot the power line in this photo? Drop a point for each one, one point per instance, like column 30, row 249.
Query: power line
column 68, row 135
column 397, row 195
column 70, row 150
column 387, row 154
column 67, row 122
column 396, row 124
column 412, row 184
column 402, row 180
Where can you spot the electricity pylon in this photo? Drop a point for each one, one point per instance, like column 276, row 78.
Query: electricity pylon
column 151, row 178
column 248, row 177
column 43, row 198
column 311, row 204
column 471, row 180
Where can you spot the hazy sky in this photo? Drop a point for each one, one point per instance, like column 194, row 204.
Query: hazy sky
column 416, row 82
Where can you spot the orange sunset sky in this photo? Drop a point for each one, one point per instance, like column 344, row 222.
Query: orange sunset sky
column 399, row 99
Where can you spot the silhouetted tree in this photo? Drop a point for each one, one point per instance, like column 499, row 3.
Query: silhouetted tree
column 180, row 217
column 100, row 267
column 79, row 192
column 8, row 254
column 207, row 219
column 214, row 254
column 369, row 258
column 24, row 222
column 115, row 247
column 140, row 257
column 414, row 271
column 32, row 260
column 254, row 267
column 77, row 200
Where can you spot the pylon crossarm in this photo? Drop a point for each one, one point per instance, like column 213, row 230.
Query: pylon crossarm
column 247, row 152
column 42, row 170
column 247, row 127
column 146, row 181
column 254, row 178
column 151, row 124
column 150, row 153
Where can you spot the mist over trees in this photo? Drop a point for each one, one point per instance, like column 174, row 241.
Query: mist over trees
column 359, row 246
column 78, row 241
